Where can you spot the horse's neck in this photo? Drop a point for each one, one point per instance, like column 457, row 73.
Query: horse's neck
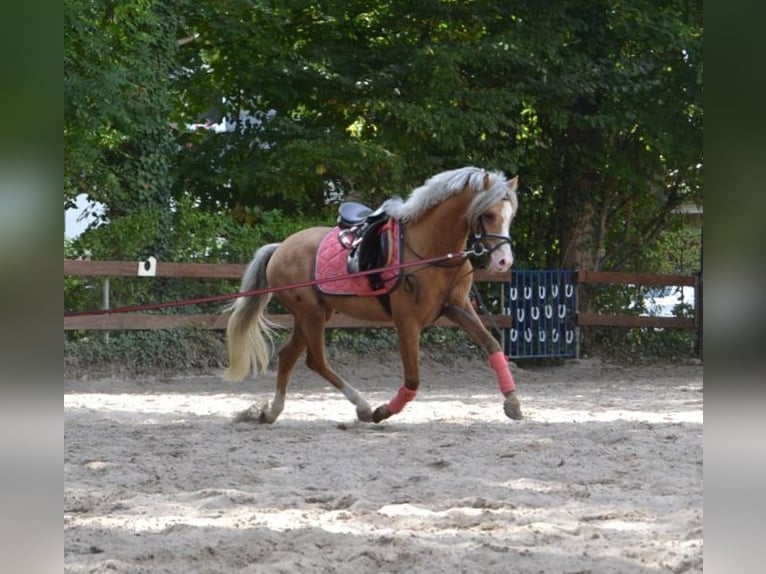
column 442, row 230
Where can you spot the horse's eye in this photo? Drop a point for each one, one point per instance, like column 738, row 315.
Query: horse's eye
column 488, row 217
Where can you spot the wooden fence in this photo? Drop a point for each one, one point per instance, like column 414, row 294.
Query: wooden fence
column 233, row 271
column 127, row 321
column 643, row 279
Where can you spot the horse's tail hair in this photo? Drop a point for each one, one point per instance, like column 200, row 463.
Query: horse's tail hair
column 248, row 332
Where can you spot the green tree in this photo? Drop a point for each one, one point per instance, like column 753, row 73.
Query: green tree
column 619, row 108
column 596, row 104
column 118, row 145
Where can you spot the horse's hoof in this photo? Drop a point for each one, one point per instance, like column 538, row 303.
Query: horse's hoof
column 364, row 415
column 512, row 407
column 249, row 415
column 264, row 419
column 253, row 415
column 380, row 414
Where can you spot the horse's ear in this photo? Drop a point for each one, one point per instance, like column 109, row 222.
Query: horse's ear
column 486, row 180
column 514, row 183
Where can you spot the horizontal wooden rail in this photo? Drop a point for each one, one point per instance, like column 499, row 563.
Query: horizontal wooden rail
column 623, row 278
column 130, row 269
column 137, row 321
column 234, row 271
column 638, row 321
column 608, row 320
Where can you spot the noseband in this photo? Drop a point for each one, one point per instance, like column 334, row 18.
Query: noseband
column 477, row 245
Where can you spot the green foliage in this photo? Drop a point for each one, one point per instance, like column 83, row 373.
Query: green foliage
column 371, row 97
column 445, row 343
column 118, row 98
column 677, row 249
column 187, row 350
column 175, row 351
column 598, row 106
column 372, row 341
column 80, row 293
column 637, row 345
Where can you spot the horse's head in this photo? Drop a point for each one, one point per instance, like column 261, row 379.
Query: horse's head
column 481, row 200
column 491, row 213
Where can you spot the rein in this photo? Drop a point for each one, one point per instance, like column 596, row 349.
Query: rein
column 213, row 298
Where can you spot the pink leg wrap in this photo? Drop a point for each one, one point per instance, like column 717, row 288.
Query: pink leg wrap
column 403, row 397
column 499, row 364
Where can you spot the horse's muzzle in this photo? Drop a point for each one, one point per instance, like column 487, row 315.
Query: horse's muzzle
column 501, row 259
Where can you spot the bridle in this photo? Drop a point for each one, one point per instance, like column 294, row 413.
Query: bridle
column 476, row 240
column 477, row 248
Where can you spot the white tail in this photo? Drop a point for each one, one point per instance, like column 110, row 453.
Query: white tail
column 248, row 332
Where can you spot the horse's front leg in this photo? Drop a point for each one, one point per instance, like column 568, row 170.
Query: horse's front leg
column 409, row 349
column 466, row 317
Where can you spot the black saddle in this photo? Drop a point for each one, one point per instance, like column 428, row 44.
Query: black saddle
column 352, row 214
column 363, row 235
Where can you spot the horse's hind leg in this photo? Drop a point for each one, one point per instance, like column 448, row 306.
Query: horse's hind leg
column 408, row 332
column 288, row 356
column 316, row 360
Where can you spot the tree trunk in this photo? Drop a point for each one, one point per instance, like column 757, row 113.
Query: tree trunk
column 579, row 240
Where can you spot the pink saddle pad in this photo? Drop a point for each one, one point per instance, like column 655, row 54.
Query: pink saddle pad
column 332, row 273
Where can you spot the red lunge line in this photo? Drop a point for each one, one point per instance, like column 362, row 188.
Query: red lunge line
column 213, row 298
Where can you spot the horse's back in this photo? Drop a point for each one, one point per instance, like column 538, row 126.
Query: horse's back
column 293, row 261
column 305, row 238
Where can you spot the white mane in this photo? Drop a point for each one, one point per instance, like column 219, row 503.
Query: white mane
column 446, row 184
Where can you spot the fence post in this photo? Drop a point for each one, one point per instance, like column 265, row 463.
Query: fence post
column 698, row 313
column 105, row 303
column 578, row 288
column 502, row 312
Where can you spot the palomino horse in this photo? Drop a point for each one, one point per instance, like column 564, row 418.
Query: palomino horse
column 438, row 218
